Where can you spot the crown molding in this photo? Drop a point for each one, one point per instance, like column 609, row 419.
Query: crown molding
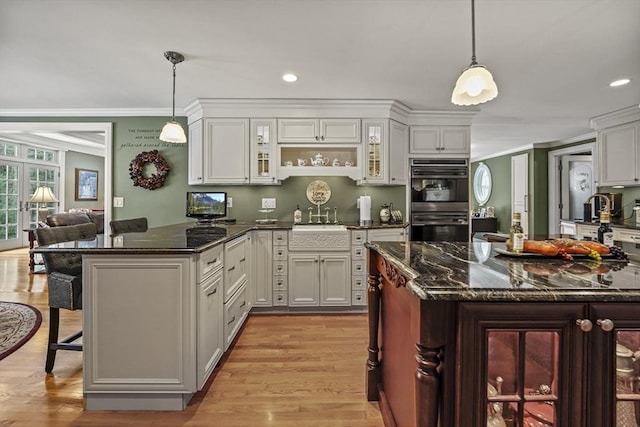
column 92, row 112
column 614, row 118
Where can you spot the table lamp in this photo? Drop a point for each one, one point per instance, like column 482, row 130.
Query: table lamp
column 43, row 195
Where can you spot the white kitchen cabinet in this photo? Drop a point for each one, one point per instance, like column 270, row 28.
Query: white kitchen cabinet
column 298, row 160
column 619, row 154
column 236, row 264
column 589, row 231
column 263, row 151
column 319, row 280
column 391, row 234
column 235, row 313
column 398, row 147
column 440, row 140
column 626, row 235
column 219, row 151
column 319, row 130
column 195, row 147
column 261, row 268
column 568, row 228
column 384, row 153
column 210, row 326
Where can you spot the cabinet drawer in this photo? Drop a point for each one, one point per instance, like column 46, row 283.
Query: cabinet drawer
column 279, row 268
column 359, row 298
column 235, row 312
column 358, row 267
column 359, row 283
column 590, row 231
column 280, row 283
column 626, row 235
column 358, row 252
column 358, row 237
column 280, row 298
column 236, row 266
column 280, row 238
column 280, row 253
column 210, row 262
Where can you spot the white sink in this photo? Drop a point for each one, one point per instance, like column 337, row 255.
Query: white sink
column 319, row 227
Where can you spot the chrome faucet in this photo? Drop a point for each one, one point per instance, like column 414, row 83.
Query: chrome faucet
column 319, row 215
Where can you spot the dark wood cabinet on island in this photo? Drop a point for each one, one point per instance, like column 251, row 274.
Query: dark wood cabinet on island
column 462, row 338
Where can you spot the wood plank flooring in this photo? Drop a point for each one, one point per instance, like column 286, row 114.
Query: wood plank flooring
column 284, row 370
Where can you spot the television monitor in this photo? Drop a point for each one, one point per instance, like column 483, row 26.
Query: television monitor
column 206, row 206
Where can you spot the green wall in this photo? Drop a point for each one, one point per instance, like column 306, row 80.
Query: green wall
column 166, row 205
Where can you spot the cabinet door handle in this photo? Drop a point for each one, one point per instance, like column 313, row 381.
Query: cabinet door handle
column 233, row 267
column 585, row 324
column 243, row 259
column 213, row 261
column 317, row 138
column 232, row 320
column 243, row 304
column 212, row 292
column 322, row 137
column 606, row 324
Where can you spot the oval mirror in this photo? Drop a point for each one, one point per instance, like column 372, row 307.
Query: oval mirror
column 482, row 184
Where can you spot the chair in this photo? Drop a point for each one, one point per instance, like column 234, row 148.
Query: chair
column 74, row 218
column 133, row 225
column 64, row 281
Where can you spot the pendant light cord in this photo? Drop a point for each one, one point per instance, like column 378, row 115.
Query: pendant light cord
column 473, row 33
column 173, row 111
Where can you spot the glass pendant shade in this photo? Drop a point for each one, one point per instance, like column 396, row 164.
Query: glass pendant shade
column 474, row 86
column 173, row 132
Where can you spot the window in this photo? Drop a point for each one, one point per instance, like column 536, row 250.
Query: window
column 482, row 184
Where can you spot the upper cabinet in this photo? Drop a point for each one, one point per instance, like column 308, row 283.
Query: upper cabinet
column 618, row 147
column 329, row 131
column 440, row 140
column 263, row 153
column 384, row 154
column 220, row 155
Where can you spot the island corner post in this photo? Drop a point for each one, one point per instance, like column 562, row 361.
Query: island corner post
column 406, row 354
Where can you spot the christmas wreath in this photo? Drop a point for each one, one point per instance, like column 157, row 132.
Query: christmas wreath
column 156, row 180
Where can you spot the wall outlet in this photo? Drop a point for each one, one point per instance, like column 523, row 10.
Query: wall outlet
column 118, row 202
column 268, row 203
column 229, row 202
column 637, row 202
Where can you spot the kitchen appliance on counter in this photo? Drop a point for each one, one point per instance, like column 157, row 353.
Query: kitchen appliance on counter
column 439, row 200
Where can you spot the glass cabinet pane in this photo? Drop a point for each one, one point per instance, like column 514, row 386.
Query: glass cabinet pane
column 263, row 142
column 627, row 372
column 522, row 377
column 374, row 150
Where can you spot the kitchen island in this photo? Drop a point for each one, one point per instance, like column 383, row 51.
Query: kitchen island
column 463, row 336
column 161, row 307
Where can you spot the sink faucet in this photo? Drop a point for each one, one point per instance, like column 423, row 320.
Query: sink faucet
column 318, row 215
column 607, row 201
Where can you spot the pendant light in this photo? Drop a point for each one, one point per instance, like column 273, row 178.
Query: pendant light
column 172, row 131
column 475, row 85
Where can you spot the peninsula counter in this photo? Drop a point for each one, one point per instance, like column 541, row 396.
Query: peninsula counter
column 463, row 336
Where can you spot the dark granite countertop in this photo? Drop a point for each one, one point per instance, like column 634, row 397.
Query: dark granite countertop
column 185, row 238
column 475, row 272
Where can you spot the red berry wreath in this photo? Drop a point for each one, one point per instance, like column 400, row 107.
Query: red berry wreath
column 154, row 181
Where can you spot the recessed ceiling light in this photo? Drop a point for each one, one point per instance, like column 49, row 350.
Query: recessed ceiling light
column 290, row 78
column 620, row 82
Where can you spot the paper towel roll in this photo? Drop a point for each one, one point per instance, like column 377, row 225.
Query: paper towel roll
column 365, row 209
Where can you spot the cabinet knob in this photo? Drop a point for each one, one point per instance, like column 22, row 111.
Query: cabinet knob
column 605, row 324
column 317, row 138
column 322, row 138
column 393, row 179
column 585, row 324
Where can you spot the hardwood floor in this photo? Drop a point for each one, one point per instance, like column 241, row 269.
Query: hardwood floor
column 284, row 370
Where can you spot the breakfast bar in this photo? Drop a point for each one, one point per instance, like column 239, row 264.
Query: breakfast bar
column 460, row 335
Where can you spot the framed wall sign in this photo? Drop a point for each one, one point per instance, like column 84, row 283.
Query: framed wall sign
column 86, row 184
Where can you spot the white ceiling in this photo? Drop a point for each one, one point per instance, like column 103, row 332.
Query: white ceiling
column 552, row 59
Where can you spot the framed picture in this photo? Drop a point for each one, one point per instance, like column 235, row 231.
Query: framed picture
column 86, row 184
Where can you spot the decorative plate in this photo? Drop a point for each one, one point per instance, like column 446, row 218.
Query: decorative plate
column 318, row 192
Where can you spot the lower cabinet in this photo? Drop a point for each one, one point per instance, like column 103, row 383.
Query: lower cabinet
column 548, row 364
column 319, row 280
column 210, row 329
column 235, row 312
column 261, row 268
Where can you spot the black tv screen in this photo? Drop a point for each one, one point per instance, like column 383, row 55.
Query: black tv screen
column 206, row 204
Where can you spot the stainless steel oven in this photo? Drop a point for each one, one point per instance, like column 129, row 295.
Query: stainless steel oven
column 439, row 200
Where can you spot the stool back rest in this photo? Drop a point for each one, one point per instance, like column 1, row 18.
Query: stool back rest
column 64, row 262
column 64, row 219
column 133, row 225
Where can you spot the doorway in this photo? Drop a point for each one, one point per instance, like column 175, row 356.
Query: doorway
column 520, row 189
column 558, row 186
column 21, row 218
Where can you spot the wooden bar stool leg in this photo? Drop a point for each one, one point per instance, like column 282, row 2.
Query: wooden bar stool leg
column 54, row 324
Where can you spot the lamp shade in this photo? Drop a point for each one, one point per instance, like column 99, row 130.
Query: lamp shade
column 43, row 194
column 474, row 86
column 173, row 132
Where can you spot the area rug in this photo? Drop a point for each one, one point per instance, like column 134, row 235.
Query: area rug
column 18, row 323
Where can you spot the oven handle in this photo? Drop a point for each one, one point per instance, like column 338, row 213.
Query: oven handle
column 439, row 221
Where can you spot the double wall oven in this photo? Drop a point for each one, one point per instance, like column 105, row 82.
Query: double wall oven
column 439, row 200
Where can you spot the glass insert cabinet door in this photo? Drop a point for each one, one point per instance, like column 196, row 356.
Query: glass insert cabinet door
column 375, row 140
column 263, row 140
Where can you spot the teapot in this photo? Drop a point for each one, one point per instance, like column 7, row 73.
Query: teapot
column 319, row 160
column 385, row 213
